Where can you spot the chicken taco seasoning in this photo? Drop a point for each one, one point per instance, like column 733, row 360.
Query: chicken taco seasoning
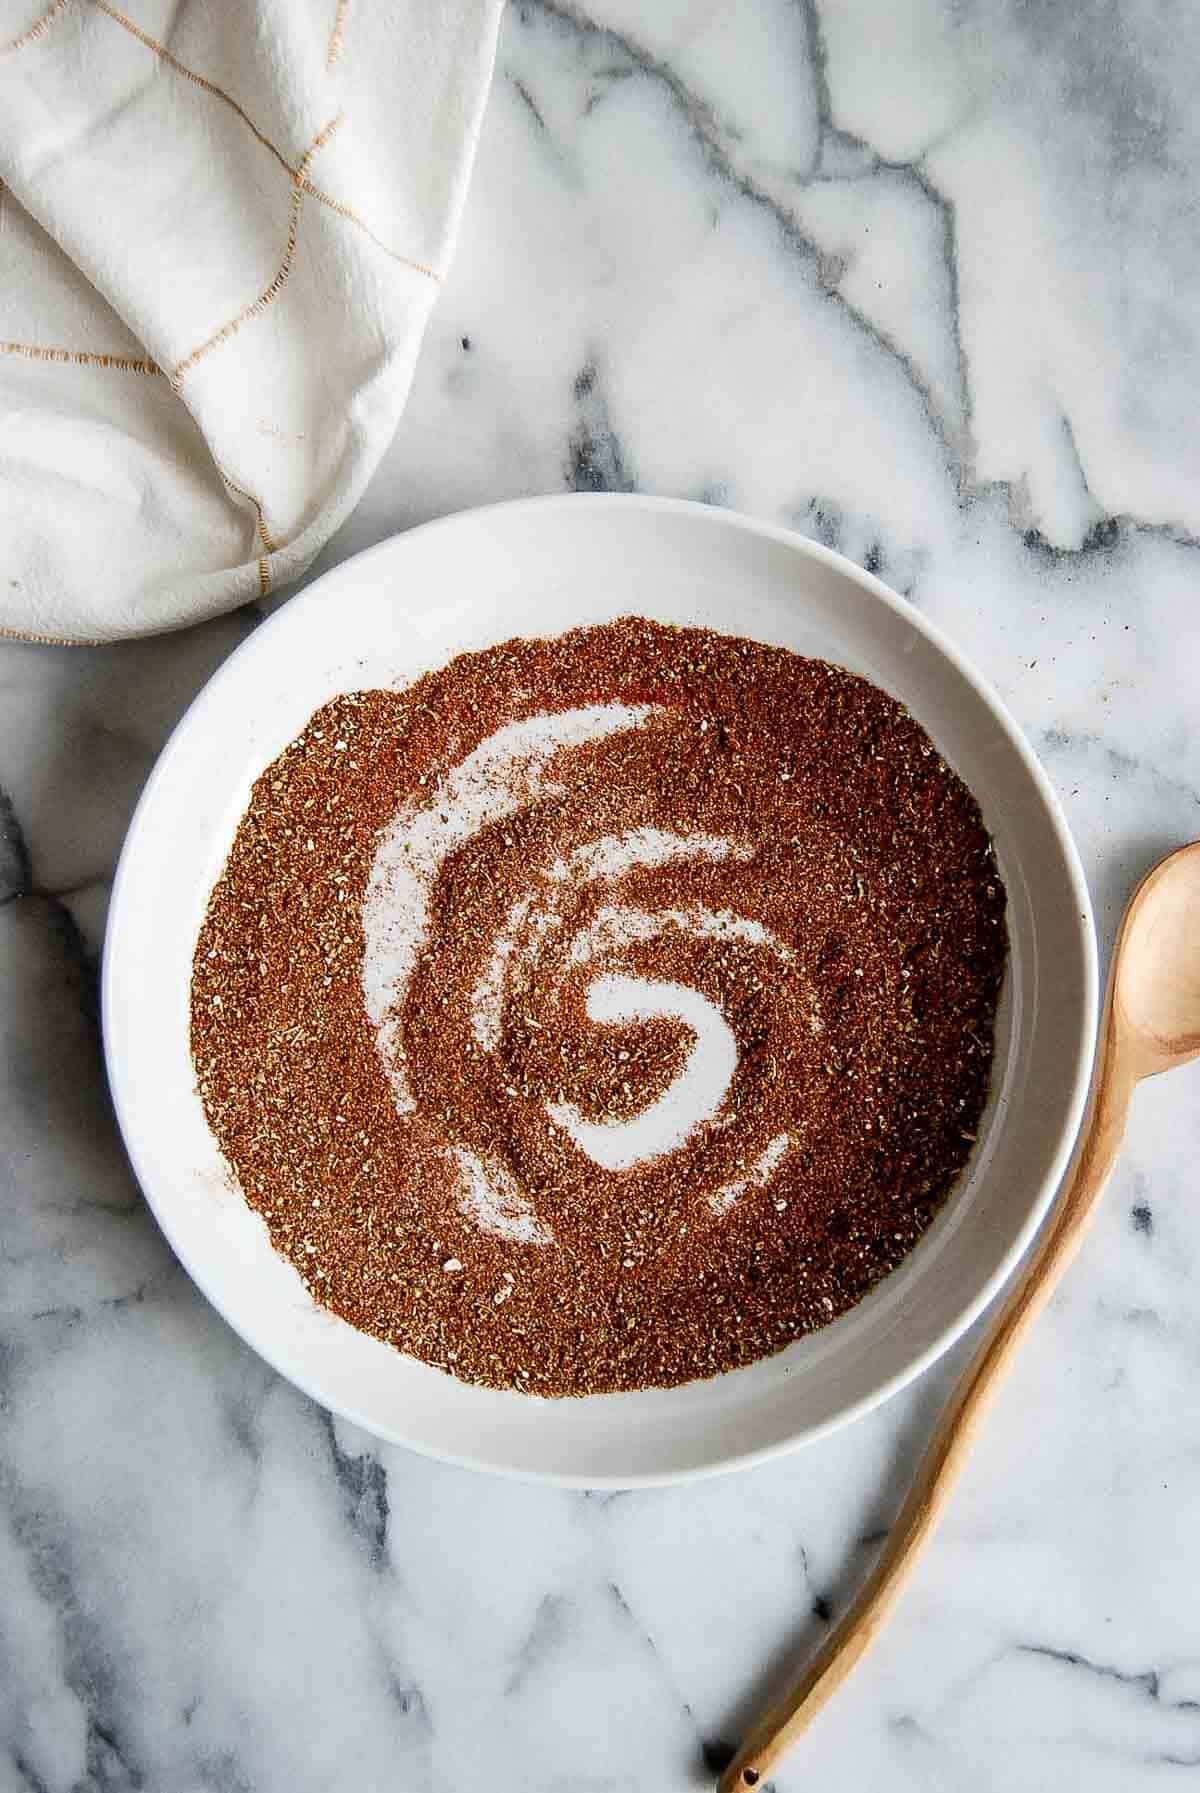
column 603, row 1011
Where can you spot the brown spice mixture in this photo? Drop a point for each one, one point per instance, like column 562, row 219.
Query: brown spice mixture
column 861, row 994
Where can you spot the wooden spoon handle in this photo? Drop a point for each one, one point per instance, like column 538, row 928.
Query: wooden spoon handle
column 948, row 1448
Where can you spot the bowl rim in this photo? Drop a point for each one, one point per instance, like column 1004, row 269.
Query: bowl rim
column 711, row 516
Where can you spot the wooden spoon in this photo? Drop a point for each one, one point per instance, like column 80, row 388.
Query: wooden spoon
column 1151, row 1022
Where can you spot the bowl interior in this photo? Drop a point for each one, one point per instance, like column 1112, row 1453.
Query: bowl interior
column 537, row 568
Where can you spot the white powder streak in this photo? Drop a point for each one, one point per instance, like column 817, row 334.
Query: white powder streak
column 613, row 854
column 604, row 858
column 759, row 1175
column 490, row 1196
column 696, row 1093
column 607, row 857
column 487, row 998
column 613, row 927
column 502, row 776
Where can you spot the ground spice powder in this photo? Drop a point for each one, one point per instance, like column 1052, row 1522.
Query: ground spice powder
column 770, row 832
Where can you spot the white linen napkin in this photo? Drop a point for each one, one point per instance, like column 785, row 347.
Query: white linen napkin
column 222, row 229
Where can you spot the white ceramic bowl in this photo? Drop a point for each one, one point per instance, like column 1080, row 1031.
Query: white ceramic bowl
column 538, row 567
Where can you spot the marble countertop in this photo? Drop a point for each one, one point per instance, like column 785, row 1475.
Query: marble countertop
column 922, row 280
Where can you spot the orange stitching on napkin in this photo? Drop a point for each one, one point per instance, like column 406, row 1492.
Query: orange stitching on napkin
column 37, row 29
column 338, row 33
column 160, row 50
column 318, row 193
column 255, row 306
column 56, row 640
column 260, row 521
column 282, row 273
column 129, row 364
column 260, row 529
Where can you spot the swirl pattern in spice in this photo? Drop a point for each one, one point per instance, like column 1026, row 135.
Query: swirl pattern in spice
column 604, row 1011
